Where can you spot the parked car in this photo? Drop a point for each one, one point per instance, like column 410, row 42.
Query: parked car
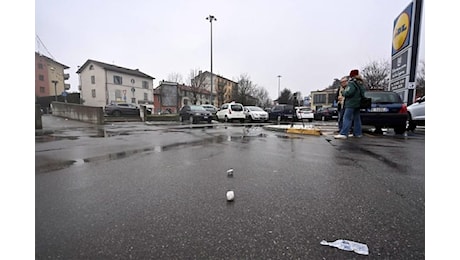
column 229, row 112
column 255, row 113
column 281, row 112
column 387, row 110
column 121, row 109
column 326, row 114
column 304, row 113
column 194, row 114
column 211, row 109
column 416, row 114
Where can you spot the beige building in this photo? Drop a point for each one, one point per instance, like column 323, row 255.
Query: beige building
column 223, row 89
column 102, row 84
column 49, row 77
column 322, row 98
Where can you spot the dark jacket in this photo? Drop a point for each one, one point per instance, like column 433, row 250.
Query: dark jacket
column 352, row 94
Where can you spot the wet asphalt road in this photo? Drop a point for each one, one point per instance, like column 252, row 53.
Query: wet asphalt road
column 131, row 191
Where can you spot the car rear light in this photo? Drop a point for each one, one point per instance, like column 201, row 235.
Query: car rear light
column 403, row 109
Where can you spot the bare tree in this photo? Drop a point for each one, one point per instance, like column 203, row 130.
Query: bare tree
column 335, row 84
column 420, row 79
column 220, row 91
column 262, row 96
column 377, row 75
column 175, row 77
column 246, row 89
column 197, row 84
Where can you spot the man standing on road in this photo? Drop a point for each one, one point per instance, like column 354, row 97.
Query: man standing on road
column 352, row 94
column 340, row 99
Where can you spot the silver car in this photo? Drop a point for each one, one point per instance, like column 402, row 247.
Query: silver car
column 416, row 114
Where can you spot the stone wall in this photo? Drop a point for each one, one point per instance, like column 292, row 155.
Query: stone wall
column 94, row 115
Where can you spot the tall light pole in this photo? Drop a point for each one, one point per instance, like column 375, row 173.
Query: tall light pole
column 211, row 18
column 55, row 90
column 279, row 93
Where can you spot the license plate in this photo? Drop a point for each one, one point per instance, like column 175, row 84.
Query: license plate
column 379, row 109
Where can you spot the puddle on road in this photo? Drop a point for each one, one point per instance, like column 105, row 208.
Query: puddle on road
column 58, row 165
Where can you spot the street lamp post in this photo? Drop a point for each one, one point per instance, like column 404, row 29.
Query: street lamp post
column 55, row 90
column 211, row 18
column 279, row 93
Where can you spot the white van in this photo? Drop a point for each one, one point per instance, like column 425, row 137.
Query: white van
column 230, row 112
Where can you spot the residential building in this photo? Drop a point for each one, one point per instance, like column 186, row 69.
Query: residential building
column 223, row 89
column 171, row 96
column 50, row 77
column 102, row 84
column 322, row 98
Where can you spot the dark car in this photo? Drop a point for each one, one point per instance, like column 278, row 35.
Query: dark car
column 211, row 109
column 326, row 114
column 194, row 114
column 387, row 111
column 121, row 109
column 282, row 112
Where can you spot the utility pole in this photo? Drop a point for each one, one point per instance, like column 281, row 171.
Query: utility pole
column 279, row 93
column 211, row 18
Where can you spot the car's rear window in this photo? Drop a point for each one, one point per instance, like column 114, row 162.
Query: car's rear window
column 236, row 108
column 197, row 108
column 383, row 97
column 255, row 109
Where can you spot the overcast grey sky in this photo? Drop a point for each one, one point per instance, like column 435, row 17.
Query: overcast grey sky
column 308, row 43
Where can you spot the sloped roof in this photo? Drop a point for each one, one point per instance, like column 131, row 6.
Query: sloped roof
column 51, row 60
column 115, row 68
column 216, row 75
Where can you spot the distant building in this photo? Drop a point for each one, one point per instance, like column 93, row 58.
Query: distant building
column 102, row 84
column 171, row 96
column 322, row 98
column 223, row 89
column 49, row 77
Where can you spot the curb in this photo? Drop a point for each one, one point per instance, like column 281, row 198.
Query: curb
column 312, row 131
column 289, row 130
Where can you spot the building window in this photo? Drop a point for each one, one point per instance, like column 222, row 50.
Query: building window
column 145, row 84
column 42, row 89
column 331, row 97
column 93, row 93
column 117, row 94
column 93, row 79
column 146, row 97
column 91, row 67
column 41, row 77
column 133, row 100
column 40, row 66
column 319, row 98
column 118, row 80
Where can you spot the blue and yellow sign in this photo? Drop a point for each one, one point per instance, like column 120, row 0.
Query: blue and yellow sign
column 401, row 30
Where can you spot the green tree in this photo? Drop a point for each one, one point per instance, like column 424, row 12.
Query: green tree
column 285, row 97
